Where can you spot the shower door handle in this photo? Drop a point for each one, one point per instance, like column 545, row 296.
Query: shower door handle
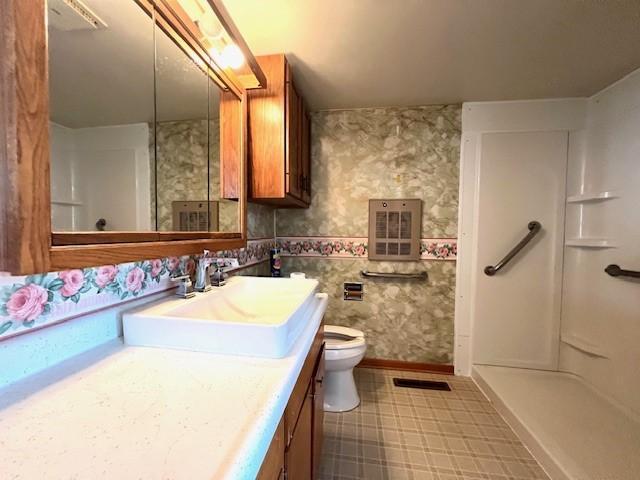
column 534, row 227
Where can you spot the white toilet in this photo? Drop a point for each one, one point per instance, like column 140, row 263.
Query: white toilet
column 344, row 348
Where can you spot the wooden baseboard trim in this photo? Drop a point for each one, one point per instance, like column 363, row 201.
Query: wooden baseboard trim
column 406, row 366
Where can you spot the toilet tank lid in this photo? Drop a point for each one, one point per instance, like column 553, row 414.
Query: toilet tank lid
column 350, row 332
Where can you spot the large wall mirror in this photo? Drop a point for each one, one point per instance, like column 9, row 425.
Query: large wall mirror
column 134, row 126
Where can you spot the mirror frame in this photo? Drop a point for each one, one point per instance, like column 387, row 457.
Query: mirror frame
column 27, row 244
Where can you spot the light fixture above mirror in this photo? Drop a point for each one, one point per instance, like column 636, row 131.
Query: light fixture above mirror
column 209, row 23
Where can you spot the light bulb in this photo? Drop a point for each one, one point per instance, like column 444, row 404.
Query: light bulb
column 231, row 56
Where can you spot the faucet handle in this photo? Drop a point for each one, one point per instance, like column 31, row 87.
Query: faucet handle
column 185, row 288
column 218, row 278
column 181, row 278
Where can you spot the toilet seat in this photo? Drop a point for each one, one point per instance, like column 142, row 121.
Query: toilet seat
column 342, row 338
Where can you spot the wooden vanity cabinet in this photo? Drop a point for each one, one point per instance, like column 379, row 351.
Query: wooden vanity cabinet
column 279, row 139
column 296, row 447
column 318, row 415
column 273, row 464
column 299, row 452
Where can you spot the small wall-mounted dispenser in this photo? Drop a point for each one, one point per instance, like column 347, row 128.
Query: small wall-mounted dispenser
column 353, row 291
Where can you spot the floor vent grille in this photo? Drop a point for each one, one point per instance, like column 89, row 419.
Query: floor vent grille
column 424, row 384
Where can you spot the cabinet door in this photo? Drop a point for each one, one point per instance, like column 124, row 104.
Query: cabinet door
column 318, row 415
column 293, row 172
column 298, row 458
column 305, row 152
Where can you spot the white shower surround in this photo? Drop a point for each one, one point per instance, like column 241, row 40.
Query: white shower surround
column 600, row 323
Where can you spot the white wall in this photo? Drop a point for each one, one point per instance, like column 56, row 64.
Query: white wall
column 101, row 172
column 601, row 315
column 65, row 195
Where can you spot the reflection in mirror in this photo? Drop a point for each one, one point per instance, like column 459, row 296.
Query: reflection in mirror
column 228, row 210
column 181, row 149
column 101, row 83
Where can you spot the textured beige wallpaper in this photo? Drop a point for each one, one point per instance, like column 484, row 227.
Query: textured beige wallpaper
column 181, row 170
column 376, row 153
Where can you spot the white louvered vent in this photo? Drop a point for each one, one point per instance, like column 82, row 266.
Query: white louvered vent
column 394, row 229
column 194, row 216
column 72, row 15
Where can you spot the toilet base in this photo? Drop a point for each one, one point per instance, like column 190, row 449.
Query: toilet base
column 340, row 393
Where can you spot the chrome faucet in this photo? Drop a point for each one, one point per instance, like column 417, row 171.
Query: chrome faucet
column 203, row 283
column 185, row 288
column 219, row 278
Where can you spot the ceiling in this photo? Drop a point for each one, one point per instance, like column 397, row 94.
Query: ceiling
column 364, row 53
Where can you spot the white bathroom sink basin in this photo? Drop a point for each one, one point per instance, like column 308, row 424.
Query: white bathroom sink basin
column 248, row 316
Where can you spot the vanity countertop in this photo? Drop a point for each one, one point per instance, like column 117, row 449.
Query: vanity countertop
column 148, row 413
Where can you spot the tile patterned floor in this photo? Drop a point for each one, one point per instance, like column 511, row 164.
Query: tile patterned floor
column 399, row 433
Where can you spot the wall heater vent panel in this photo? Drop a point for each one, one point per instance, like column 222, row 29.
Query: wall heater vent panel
column 195, row 216
column 394, row 229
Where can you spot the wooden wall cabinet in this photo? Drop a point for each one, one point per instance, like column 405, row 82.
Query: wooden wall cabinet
column 296, row 447
column 279, row 139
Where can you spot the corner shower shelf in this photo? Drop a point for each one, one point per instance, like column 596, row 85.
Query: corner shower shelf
column 590, row 243
column 583, row 345
column 592, row 197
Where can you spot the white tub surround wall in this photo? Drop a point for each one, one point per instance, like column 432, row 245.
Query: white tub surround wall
column 90, row 165
column 512, row 168
column 581, row 421
column 601, row 314
column 132, row 412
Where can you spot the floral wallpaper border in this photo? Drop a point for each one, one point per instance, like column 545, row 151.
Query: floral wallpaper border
column 34, row 301
column 356, row 247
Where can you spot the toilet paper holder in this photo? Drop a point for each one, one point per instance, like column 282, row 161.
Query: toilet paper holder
column 353, row 291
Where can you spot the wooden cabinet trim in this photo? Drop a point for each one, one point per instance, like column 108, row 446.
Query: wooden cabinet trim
column 305, row 153
column 80, row 256
column 25, row 224
column 292, row 142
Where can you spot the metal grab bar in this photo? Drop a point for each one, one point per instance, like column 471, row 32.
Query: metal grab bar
column 534, row 227
column 616, row 271
column 417, row 275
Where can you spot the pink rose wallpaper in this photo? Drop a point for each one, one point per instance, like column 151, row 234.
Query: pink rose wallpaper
column 73, row 280
column 27, row 303
column 105, row 275
column 431, row 249
column 135, row 280
column 156, row 268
